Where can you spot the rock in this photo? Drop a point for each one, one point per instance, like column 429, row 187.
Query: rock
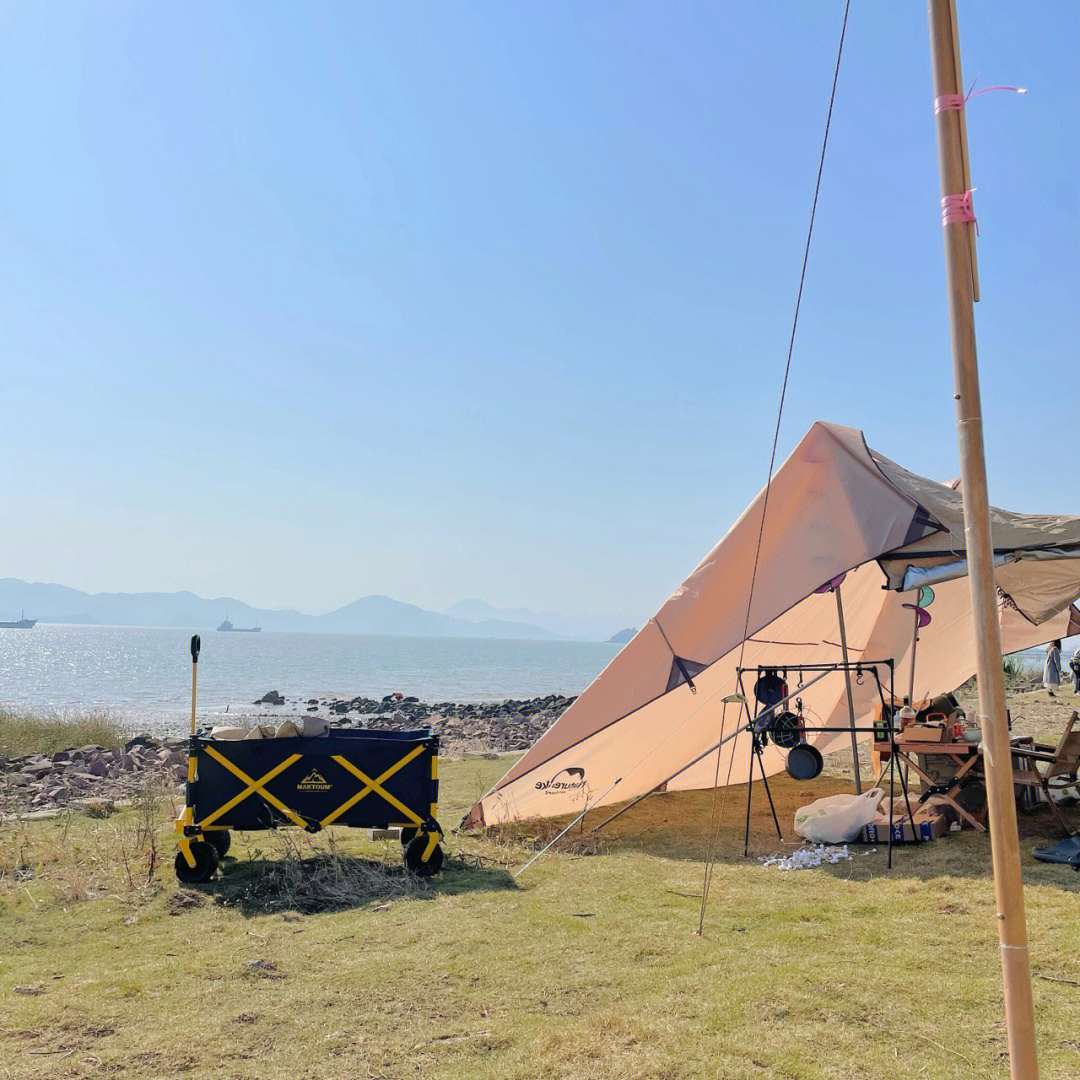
column 141, row 740
column 96, row 767
column 80, row 778
column 271, row 697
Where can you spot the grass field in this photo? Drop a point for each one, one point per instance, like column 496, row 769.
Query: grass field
column 586, row 967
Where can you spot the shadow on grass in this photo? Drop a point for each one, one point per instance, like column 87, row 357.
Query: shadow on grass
column 329, row 882
column 680, row 825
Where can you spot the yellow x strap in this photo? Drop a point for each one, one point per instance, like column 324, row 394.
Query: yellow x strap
column 374, row 785
column 252, row 786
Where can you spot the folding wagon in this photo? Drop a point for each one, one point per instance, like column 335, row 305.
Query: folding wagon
column 350, row 776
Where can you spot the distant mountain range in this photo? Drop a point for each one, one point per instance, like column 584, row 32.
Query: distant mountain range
column 580, row 627
column 368, row 615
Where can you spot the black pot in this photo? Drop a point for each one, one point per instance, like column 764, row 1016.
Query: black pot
column 770, row 689
column 804, row 762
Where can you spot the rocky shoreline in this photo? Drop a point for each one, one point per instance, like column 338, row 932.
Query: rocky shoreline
column 92, row 779
column 498, row 727
column 97, row 779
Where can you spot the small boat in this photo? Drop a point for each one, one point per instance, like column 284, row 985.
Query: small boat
column 229, row 628
column 22, row 623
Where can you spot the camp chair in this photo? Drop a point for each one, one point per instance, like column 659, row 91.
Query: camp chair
column 1061, row 763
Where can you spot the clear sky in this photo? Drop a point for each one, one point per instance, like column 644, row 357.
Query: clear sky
column 300, row 302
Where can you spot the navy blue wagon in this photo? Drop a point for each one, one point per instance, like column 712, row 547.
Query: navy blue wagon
column 350, row 776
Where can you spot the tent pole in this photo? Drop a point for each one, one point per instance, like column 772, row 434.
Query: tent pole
column 961, row 291
column 914, row 644
column 850, row 700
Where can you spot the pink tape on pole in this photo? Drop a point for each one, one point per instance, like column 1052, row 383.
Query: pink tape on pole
column 958, row 209
column 949, row 103
column 956, row 102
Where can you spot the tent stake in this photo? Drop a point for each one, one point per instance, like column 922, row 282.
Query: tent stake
column 961, row 294
column 850, row 700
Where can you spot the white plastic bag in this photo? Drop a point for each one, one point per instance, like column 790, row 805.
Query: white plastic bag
column 838, row 818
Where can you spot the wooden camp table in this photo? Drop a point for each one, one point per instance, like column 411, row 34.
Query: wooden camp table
column 968, row 757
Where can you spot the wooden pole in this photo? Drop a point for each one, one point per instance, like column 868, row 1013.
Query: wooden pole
column 1005, row 847
column 850, row 701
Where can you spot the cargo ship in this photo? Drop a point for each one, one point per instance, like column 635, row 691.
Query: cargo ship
column 22, row 623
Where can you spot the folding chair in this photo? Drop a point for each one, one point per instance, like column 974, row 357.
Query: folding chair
column 1061, row 764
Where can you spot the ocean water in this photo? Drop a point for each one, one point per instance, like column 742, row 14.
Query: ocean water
column 143, row 674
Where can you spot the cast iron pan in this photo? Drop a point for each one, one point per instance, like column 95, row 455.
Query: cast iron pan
column 804, row 762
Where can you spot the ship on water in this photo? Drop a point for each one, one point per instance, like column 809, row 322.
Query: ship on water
column 229, row 628
column 21, row 623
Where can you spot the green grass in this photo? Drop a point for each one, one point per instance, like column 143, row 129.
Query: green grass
column 25, row 733
column 587, row 967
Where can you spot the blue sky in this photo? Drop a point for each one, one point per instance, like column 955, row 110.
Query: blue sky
column 304, row 302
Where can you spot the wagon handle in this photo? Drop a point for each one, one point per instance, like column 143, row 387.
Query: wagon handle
column 196, row 645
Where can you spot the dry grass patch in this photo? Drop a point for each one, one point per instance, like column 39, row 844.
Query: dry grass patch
column 45, row 733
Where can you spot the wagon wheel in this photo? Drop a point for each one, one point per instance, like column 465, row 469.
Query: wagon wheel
column 221, row 839
column 408, row 834
column 414, row 857
column 206, row 862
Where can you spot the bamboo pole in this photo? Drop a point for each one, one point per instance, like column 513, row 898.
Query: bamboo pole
column 1005, row 847
column 850, row 700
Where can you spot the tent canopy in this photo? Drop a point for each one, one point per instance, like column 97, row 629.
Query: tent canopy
column 835, row 506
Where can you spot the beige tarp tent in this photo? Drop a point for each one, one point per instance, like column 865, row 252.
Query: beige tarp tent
column 834, row 506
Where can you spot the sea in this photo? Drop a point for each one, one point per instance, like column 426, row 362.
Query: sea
column 142, row 675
